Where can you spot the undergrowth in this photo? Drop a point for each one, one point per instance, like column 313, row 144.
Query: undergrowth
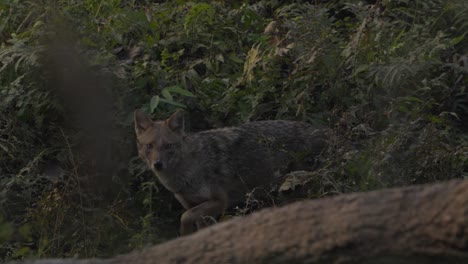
column 389, row 77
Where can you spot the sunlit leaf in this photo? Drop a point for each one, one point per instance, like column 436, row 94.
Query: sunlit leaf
column 180, row 90
column 154, row 103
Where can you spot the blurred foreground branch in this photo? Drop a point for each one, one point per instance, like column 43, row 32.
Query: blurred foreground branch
column 417, row 224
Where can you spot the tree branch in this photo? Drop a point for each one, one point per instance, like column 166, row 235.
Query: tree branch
column 417, row 224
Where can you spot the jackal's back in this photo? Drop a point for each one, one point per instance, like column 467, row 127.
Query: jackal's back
column 252, row 155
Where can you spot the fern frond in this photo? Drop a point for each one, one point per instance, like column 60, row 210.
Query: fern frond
column 19, row 54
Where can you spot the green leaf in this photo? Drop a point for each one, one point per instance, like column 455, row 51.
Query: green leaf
column 172, row 102
column 458, row 39
column 233, row 57
column 21, row 252
column 166, row 94
column 180, row 90
column 154, row 103
column 413, row 99
column 360, row 69
column 434, row 119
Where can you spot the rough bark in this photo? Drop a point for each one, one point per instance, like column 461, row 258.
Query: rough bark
column 417, row 224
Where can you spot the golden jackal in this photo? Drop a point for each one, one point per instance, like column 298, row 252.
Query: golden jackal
column 214, row 169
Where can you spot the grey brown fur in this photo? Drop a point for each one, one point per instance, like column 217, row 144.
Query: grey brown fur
column 214, row 169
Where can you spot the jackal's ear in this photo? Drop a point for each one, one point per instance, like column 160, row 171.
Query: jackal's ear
column 176, row 121
column 142, row 121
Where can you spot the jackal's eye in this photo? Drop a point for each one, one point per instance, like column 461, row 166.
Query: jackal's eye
column 169, row 146
column 149, row 146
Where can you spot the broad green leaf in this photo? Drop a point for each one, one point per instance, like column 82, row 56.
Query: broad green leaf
column 180, row 90
column 172, row 102
column 154, row 103
column 458, row 39
column 166, row 94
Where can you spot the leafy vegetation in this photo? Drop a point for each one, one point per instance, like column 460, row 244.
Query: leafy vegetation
column 389, row 77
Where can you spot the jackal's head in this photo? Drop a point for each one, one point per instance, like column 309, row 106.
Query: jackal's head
column 160, row 142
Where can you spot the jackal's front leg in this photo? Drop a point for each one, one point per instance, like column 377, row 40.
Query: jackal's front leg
column 189, row 219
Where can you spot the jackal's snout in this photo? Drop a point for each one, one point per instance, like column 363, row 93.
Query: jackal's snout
column 158, row 165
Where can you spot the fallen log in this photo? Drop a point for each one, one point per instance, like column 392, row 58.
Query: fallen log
column 416, row 224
